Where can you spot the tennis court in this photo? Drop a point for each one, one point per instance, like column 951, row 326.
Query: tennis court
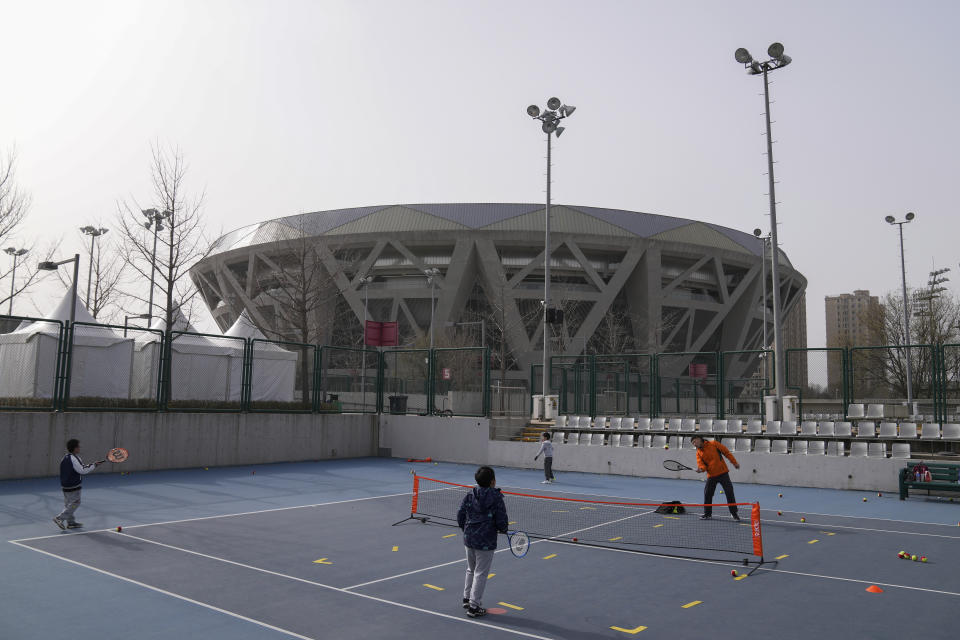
column 308, row 550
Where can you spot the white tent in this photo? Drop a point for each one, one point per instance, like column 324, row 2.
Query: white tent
column 199, row 365
column 100, row 365
column 274, row 368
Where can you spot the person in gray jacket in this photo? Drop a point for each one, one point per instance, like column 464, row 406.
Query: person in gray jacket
column 546, row 448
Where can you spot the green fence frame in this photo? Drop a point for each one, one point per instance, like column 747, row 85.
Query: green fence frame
column 437, row 358
column 369, row 359
column 693, row 355
column 68, row 403
column 59, row 360
column 726, row 390
column 305, row 405
column 205, row 406
column 934, row 376
column 383, row 378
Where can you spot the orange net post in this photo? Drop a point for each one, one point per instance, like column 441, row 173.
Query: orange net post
column 416, row 494
column 755, row 528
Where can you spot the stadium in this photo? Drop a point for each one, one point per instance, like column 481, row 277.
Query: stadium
column 627, row 282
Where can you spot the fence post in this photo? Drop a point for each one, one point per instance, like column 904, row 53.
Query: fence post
column 721, row 386
column 68, row 368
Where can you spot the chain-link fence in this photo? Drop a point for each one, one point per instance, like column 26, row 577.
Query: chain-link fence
column 405, row 376
column 104, row 369
column 31, row 357
column 206, row 372
column 572, row 382
column 461, row 381
column 687, row 383
column 895, row 376
column 348, row 379
column 747, row 377
column 280, row 376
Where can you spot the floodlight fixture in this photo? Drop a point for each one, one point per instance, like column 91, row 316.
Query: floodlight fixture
column 757, row 232
column 890, row 219
column 15, row 252
column 559, row 130
column 549, row 127
column 554, row 103
column 775, row 50
column 742, row 56
column 910, row 216
column 533, row 111
column 567, row 109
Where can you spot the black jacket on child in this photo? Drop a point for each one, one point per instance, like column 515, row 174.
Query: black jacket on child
column 482, row 514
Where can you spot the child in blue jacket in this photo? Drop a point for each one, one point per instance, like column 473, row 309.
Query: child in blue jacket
column 482, row 514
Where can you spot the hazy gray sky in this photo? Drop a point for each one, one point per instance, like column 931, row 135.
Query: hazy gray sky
column 281, row 107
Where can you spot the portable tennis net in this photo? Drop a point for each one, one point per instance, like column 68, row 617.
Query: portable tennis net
column 636, row 526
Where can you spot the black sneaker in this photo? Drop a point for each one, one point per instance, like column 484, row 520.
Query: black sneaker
column 60, row 523
column 476, row 612
column 466, row 603
column 705, row 516
column 74, row 525
column 735, row 517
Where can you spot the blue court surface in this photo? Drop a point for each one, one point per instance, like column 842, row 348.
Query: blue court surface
column 307, row 550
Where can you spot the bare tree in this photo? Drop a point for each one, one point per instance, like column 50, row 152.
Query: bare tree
column 105, row 267
column 14, row 206
column 304, row 294
column 181, row 244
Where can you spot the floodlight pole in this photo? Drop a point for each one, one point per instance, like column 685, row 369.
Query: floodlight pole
column 13, row 253
column 365, row 281
column 778, row 60
column 551, row 117
column 94, row 233
column 906, row 310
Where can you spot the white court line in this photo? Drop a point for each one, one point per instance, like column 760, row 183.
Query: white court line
column 225, row 515
column 845, row 526
column 445, row 564
column 279, row 575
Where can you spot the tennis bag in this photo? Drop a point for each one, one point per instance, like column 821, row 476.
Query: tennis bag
column 674, row 506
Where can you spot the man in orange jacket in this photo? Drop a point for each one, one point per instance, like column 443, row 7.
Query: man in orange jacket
column 710, row 456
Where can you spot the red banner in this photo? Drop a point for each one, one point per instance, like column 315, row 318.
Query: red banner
column 698, row 371
column 381, row 334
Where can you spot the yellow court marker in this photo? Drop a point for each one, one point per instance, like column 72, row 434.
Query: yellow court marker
column 561, row 511
column 630, row 631
column 490, row 575
column 614, row 539
column 512, row 522
column 431, row 586
column 396, row 548
column 672, row 517
column 322, row 561
column 511, row 606
column 588, row 508
column 741, row 577
column 692, row 604
column 828, row 533
column 786, row 555
column 552, row 555
column 814, row 541
column 657, row 525
column 450, row 535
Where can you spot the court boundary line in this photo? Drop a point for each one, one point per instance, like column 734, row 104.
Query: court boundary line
column 225, row 515
column 847, row 526
column 273, row 573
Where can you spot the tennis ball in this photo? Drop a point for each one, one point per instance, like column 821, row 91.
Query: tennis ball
column 206, row 469
column 879, row 495
column 119, row 529
column 779, row 495
column 574, row 539
column 914, row 558
column 923, row 558
column 864, row 499
column 779, row 513
column 803, row 519
column 900, row 555
column 666, row 446
column 733, row 572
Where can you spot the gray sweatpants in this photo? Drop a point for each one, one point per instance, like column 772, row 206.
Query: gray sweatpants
column 478, row 566
column 71, row 500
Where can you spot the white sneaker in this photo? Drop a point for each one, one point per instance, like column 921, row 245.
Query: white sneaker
column 544, row 482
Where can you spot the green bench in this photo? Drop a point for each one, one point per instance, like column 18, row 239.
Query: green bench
column 943, row 477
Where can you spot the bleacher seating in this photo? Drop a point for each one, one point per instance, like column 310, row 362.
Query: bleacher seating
column 951, row 431
column 779, row 446
column 908, row 431
column 729, row 443
column 628, row 423
column 573, row 438
column 836, row 448
column 855, row 411
column 742, row 445
column 800, row 447
column 643, row 424
column 930, row 431
column 688, row 425
column 826, row 429
column 615, row 422
column 656, row 424
column 900, row 450
column 874, row 411
column 887, row 430
column 816, row 447
column 877, row 449
column 843, row 429
column 614, row 439
column 858, row 449
column 788, row 428
column 735, row 426
column 773, row 428
column 808, row 428
column 866, row 429
column 755, row 427
column 626, row 440
column 761, row 445
column 706, row 425
column 673, row 425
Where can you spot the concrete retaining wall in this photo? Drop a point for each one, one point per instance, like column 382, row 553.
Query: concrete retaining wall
column 466, row 440
column 32, row 444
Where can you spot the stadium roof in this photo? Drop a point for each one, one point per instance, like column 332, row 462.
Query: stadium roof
column 491, row 217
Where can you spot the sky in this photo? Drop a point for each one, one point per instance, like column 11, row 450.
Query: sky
column 283, row 107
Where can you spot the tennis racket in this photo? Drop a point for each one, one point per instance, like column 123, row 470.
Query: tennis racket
column 673, row 465
column 117, row 455
column 519, row 543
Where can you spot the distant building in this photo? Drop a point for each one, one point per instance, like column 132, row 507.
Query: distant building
column 851, row 322
column 795, row 337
